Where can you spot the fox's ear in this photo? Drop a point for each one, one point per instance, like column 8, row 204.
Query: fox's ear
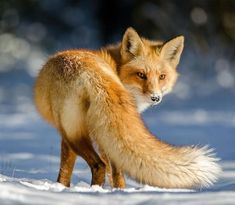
column 172, row 49
column 131, row 45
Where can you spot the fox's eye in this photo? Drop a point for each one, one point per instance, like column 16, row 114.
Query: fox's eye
column 141, row 75
column 162, row 76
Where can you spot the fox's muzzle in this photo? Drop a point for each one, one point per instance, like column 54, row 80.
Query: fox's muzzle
column 156, row 98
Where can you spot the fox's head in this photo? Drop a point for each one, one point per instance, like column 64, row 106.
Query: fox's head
column 148, row 68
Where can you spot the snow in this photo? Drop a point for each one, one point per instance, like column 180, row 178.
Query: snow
column 29, row 152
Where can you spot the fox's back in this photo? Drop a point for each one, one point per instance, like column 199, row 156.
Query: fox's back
column 55, row 81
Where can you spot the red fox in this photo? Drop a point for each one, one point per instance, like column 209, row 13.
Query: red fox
column 94, row 97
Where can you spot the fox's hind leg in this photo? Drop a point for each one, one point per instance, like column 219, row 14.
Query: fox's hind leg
column 81, row 146
column 85, row 149
column 67, row 160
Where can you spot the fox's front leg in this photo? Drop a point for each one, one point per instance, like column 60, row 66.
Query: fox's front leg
column 67, row 160
column 115, row 175
column 106, row 160
column 118, row 177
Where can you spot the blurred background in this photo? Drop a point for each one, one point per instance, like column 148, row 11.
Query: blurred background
column 201, row 109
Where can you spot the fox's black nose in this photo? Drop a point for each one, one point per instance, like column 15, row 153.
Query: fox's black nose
column 156, row 98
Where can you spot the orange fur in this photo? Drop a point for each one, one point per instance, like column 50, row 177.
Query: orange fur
column 92, row 96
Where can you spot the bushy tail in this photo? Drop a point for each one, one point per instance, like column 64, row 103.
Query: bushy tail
column 117, row 127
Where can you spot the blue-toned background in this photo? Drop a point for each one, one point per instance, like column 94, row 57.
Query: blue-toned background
column 201, row 109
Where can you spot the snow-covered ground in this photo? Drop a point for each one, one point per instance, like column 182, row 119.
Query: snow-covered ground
column 29, row 151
